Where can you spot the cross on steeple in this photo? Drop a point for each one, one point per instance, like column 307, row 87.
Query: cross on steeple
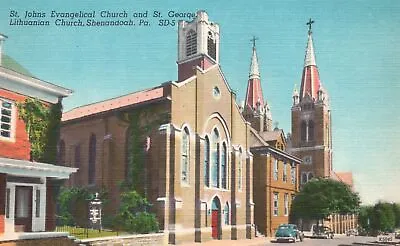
column 254, row 41
column 309, row 24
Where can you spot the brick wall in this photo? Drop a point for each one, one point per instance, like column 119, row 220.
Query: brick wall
column 20, row 147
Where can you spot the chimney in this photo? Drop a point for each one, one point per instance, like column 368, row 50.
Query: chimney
column 2, row 38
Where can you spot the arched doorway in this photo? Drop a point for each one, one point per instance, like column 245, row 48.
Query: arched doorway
column 216, row 218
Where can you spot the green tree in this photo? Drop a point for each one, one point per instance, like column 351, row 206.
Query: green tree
column 396, row 210
column 364, row 217
column 383, row 217
column 322, row 197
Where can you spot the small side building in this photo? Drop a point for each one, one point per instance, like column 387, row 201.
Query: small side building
column 27, row 202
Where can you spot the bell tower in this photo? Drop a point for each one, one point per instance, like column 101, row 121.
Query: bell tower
column 311, row 138
column 198, row 45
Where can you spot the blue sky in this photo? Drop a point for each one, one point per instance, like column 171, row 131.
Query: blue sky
column 357, row 53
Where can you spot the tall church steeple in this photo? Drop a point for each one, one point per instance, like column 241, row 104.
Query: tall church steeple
column 255, row 111
column 311, row 120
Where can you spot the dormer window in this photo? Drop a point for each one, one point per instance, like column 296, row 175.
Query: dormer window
column 191, row 43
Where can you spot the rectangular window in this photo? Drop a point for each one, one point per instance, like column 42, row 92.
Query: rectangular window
column 5, row 118
column 276, row 170
column 293, row 173
column 8, row 203
column 286, row 202
column 37, row 202
column 276, row 203
column 284, row 178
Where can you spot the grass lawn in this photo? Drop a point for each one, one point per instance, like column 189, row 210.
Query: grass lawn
column 83, row 233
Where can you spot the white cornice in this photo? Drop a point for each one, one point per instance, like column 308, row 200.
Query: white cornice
column 29, row 86
column 34, row 169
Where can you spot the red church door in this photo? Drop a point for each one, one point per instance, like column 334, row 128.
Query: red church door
column 214, row 224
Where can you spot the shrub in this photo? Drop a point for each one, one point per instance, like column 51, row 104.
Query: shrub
column 133, row 216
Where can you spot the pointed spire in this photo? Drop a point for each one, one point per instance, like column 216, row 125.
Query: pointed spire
column 310, row 81
column 309, row 59
column 254, row 71
column 254, row 93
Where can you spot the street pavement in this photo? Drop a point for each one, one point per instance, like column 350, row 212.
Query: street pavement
column 338, row 240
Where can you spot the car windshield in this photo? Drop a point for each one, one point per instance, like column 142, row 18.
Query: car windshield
column 283, row 227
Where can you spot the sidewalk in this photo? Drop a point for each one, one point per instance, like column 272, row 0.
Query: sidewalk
column 250, row 242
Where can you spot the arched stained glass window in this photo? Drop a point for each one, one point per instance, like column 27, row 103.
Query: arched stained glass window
column 303, row 130
column 215, row 169
column 240, row 169
column 92, row 159
column 207, row 162
column 224, row 168
column 185, row 155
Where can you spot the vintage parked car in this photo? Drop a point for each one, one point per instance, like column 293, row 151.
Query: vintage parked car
column 288, row 232
column 319, row 231
column 324, row 232
column 352, row 232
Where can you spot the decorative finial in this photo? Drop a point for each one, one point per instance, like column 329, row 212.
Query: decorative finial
column 254, row 41
column 309, row 24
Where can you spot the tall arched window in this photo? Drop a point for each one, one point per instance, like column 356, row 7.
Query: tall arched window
column 215, row 172
column 185, row 155
column 310, row 131
column 128, row 152
column 226, row 214
column 77, row 156
column 303, row 131
column 303, row 178
column 310, row 176
column 207, row 162
column 191, row 43
column 240, row 169
column 92, row 159
column 61, row 153
column 224, row 169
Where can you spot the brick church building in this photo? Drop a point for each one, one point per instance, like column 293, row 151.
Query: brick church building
column 198, row 165
column 311, row 137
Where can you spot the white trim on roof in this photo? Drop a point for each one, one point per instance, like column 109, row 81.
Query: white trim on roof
column 34, row 169
column 25, row 83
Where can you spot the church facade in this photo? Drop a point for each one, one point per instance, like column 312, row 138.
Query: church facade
column 197, row 171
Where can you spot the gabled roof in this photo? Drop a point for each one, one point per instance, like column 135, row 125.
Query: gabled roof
column 345, row 177
column 274, row 135
column 114, row 103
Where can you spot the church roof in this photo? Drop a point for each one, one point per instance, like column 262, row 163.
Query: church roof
column 345, row 177
column 114, row 103
column 310, row 81
column 272, row 135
